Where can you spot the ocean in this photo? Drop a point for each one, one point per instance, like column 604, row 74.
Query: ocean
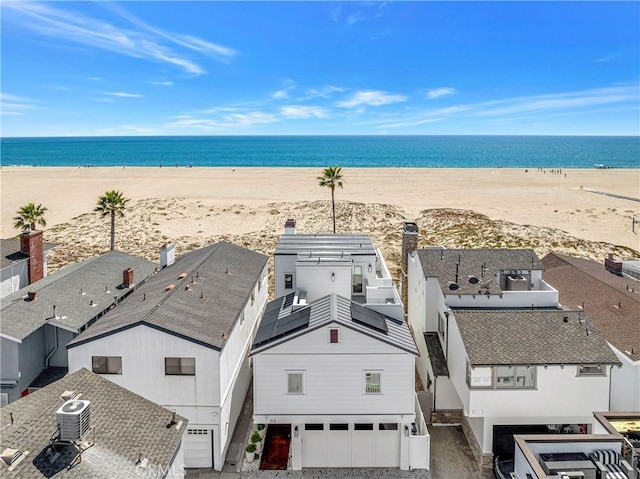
column 322, row 151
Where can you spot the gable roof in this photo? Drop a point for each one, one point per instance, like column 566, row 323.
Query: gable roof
column 80, row 292
column 612, row 302
column 484, row 264
column 10, row 251
column 536, row 337
column 282, row 322
column 354, row 244
column 197, row 298
column 126, row 425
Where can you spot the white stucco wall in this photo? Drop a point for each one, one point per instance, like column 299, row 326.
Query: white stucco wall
column 625, row 384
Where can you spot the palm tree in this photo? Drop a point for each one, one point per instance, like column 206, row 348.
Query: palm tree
column 29, row 216
column 112, row 203
column 332, row 177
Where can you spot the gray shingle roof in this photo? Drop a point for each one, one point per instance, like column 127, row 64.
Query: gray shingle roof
column 484, row 264
column 72, row 290
column 126, row 425
column 10, row 251
column 219, row 277
column 612, row 302
column 279, row 315
column 508, row 337
column 354, row 244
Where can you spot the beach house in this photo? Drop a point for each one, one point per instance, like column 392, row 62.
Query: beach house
column 613, row 304
column 334, row 360
column 182, row 341
column 23, row 261
column 497, row 354
column 84, row 426
column 40, row 319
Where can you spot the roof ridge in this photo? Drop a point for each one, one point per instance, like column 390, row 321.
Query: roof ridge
column 181, row 281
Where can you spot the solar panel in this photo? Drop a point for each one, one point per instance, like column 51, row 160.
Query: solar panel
column 369, row 318
column 274, row 325
column 292, row 322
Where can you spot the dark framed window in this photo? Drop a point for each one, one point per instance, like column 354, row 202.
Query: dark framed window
column 180, row 366
column 314, row 427
column 288, row 281
column 388, row 426
column 333, row 335
column 591, row 370
column 106, row 364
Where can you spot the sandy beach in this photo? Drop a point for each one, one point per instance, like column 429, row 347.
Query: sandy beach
column 581, row 212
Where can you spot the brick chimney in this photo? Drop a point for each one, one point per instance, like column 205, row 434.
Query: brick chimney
column 31, row 245
column 127, row 277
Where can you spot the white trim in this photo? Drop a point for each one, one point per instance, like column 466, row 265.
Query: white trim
column 10, row 338
column 302, row 381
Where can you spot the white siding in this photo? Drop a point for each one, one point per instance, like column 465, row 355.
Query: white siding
column 13, row 278
column 316, row 279
column 143, row 350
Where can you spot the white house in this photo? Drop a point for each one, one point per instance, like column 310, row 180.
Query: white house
column 334, row 360
column 23, row 261
column 613, row 303
column 182, row 340
column 496, row 347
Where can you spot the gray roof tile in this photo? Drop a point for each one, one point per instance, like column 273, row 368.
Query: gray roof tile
column 484, row 264
column 510, row 337
column 354, row 244
column 125, row 425
column 72, row 290
column 612, row 302
column 219, row 278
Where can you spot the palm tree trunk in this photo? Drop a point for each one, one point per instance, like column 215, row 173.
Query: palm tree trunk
column 333, row 206
column 113, row 230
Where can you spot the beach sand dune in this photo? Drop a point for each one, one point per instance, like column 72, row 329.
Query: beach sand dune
column 193, row 207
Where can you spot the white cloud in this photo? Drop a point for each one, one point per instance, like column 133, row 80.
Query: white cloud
column 438, row 92
column 226, row 122
column 123, row 94
column 299, row 111
column 560, row 101
column 280, row 94
column 70, row 26
column 410, row 123
column 325, row 91
column 14, row 105
column 371, row 98
column 161, row 83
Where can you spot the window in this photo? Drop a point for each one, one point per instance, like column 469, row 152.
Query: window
column 314, row 427
column 106, row 364
column 180, row 366
column 515, row 377
column 442, row 328
column 288, row 281
column 333, row 335
column 591, row 370
column 372, row 382
column 363, row 427
column 295, row 382
column 479, row 377
column 388, row 426
column 356, row 280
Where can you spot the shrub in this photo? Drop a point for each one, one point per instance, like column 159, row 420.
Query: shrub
column 260, row 427
column 255, row 437
column 250, row 448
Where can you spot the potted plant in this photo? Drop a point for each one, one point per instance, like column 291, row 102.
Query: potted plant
column 262, row 430
column 256, row 439
column 250, row 452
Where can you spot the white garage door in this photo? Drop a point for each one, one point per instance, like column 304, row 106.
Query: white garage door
column 388, row 445
column 338, row 445
column 313, row 445
column 198, row 450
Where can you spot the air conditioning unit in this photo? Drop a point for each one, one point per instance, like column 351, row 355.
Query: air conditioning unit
column 571, row 475
column 517, row 283
column 73, row 419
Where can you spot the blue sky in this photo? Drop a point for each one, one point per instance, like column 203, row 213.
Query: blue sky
column 300, row 68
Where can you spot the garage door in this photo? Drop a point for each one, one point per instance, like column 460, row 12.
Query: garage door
column 313, row 446
column 388, row 445
column 198, row 448
column 338, row 445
